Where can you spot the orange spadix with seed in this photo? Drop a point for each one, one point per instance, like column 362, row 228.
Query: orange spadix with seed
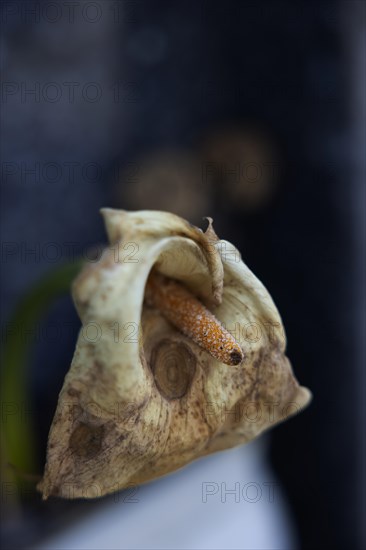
column 178, row 305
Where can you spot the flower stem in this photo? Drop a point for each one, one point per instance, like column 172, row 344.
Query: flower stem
column 18, row 442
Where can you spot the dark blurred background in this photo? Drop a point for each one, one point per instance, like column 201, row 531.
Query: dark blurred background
column 250, row 112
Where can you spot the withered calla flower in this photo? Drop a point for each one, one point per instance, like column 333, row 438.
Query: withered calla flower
column 146, row 392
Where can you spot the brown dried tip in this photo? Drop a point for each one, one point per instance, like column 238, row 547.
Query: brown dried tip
column 178, row 305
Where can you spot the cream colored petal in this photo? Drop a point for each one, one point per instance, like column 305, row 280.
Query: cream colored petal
column 262, row 391
column 129, row 225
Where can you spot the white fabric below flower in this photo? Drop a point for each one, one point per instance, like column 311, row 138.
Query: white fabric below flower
column 187, row 510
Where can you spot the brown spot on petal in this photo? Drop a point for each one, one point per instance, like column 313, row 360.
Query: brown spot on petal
column 173, row 365
column 73, row 392
column 86, row 440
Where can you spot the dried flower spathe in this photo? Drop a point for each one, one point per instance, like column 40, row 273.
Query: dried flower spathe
column 141, row 398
